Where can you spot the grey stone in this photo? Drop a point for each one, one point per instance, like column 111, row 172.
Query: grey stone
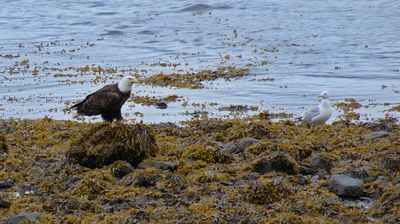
column 378, row 134
column 231, row 148
column 24, row 217
column 346, row 186
column 245, row 143
column 162, row 165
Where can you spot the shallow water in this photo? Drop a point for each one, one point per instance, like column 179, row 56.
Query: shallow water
column 349, row 48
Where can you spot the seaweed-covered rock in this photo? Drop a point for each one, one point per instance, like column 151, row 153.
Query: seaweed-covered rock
column 24, row 218
column 104, row 144
column 392, row 164
column 278, row 161
column 244, row 143
column 7, row 183
column 4, row 203
column 346, row 186
column 162, row 165
column 322, row 161
column 3, row 145
column 231, row 148
column 266, row 191
column 121, row 168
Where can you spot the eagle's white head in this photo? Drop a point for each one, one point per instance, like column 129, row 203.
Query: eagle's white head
column 125, row 85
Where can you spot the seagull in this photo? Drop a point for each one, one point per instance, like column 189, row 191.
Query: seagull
column 320, row 114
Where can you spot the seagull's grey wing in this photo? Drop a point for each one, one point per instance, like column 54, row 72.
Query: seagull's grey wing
column 309, row 115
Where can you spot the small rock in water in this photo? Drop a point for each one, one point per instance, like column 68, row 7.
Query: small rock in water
column 378, row 134
column 162, row 165
column 161, row 105
column 24, row 218
column 346, row 186
column 245, row 143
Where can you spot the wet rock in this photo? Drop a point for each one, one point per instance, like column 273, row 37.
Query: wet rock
column 231, row 148
column 121, row 168
column 322, row 162
column 145, row 181
column 358, row 173
column 278, row 161
column 7, row 183
column 378, row 134
column 141, row 180
column 251, row 176
column 24, row 218
column 392, row 164
column 161, row 105
column 266, row 191
column 162, row 165
column 104, row 144
column 245, row 143
column 346, row 186
column 4, row 203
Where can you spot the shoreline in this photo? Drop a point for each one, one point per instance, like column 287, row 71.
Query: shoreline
column 207, row 170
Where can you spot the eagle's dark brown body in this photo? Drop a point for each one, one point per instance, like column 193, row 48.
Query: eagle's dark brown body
column 106, row 101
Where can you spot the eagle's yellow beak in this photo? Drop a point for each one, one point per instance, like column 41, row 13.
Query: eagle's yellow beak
column 134, row 80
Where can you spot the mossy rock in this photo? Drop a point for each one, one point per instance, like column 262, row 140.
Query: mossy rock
column 3, row 145
column 265, row 191
column 104, row 144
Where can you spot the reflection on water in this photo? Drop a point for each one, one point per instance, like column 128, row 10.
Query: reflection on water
column 345, row 47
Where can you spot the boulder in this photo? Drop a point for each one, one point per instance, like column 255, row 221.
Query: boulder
column 103, row 144
column 345, row 186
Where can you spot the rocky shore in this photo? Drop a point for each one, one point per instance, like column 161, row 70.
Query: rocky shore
column 248, row 170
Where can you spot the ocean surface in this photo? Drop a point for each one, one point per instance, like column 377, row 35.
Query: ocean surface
column 349, row 48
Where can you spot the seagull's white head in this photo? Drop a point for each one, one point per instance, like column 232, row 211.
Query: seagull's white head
column 324, row 95
column 125, row 85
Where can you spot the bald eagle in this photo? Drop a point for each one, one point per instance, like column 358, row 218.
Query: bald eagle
column 108, row 100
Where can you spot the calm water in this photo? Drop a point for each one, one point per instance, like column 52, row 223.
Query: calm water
column 349, row 48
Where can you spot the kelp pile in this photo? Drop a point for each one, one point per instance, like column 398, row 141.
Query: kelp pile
column 248, row 170
column 104, row 144
column 194, row 80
